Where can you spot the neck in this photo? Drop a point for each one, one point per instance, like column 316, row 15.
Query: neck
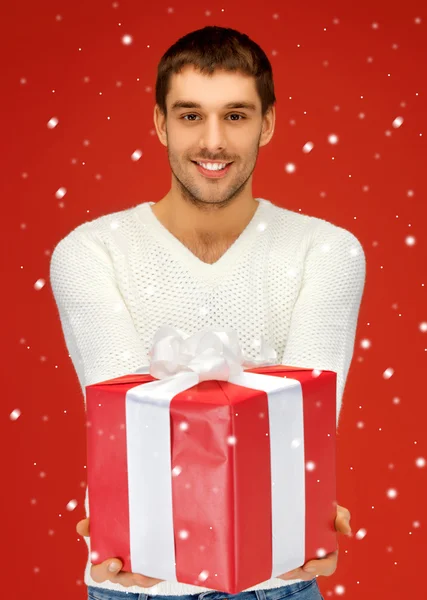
column 205, row 222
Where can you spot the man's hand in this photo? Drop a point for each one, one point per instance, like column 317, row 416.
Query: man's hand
column 323, row 566
column 102, row 572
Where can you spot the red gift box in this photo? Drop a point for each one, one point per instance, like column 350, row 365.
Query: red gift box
column 219, row 484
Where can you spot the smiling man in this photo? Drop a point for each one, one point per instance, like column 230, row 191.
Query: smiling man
column 209, row 255
column 213, row 144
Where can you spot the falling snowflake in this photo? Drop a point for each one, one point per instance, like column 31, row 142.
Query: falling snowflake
column 72, row 505
column 15, row 414
column 52, row 123
column 388, row 373
column 360, row 534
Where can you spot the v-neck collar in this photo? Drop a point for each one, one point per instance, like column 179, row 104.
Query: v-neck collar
column 254, row 228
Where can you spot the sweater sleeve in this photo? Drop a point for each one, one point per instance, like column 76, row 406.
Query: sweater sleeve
column 98, row 328
column 324, row 318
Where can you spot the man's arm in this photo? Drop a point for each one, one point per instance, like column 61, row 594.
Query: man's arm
column 100, row 337
column 98, row 329
column 324, row 318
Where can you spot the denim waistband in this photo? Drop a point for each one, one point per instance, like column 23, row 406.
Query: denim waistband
column 279, row 593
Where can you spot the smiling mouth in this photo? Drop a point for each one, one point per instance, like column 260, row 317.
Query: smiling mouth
column 212, row 173
column 207, row 161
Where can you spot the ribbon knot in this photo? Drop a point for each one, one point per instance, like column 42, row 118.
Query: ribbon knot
column 211, row 353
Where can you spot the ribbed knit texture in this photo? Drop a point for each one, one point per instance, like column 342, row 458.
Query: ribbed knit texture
column 297, row 280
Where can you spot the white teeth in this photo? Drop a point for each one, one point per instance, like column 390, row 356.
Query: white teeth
column 213, row 166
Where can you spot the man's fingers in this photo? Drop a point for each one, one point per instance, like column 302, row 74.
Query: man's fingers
column 82, row 527
column 344, row 511
column 297, row 574
column 101, row 572
column 127, row 579
column 323, row 566
column 342, row 521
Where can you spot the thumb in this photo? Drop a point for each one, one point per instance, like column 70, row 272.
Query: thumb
column 82, row 527
column 114, row 566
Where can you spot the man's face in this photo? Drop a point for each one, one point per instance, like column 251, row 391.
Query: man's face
column 212, row 132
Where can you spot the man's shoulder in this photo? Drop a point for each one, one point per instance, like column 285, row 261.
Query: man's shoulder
column 102, row 229
column 313, row 229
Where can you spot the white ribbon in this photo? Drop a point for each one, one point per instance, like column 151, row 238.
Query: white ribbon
column 180, row 362
column 212, row 354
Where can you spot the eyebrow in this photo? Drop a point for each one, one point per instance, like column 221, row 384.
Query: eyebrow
column 187, row 104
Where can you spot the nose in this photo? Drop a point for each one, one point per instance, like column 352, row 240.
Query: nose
column 213, row 136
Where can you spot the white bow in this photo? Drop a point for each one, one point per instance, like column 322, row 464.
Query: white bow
column 212, row 354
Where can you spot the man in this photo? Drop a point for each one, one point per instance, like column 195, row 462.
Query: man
column 208, row 254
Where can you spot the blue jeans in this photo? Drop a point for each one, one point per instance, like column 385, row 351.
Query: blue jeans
column 301, row 590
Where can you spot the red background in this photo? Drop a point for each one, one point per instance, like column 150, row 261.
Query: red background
column 341, row 69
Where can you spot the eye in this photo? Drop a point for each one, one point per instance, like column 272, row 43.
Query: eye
column 232, row 114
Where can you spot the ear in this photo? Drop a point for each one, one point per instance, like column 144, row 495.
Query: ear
column 160, row 125
column 268, row 124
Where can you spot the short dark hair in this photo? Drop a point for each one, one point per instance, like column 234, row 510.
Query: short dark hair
column 215, row 47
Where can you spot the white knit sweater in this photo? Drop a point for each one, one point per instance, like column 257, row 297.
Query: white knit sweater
column 294, row 279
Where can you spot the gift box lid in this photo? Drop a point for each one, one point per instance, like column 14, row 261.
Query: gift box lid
column 138, row 378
